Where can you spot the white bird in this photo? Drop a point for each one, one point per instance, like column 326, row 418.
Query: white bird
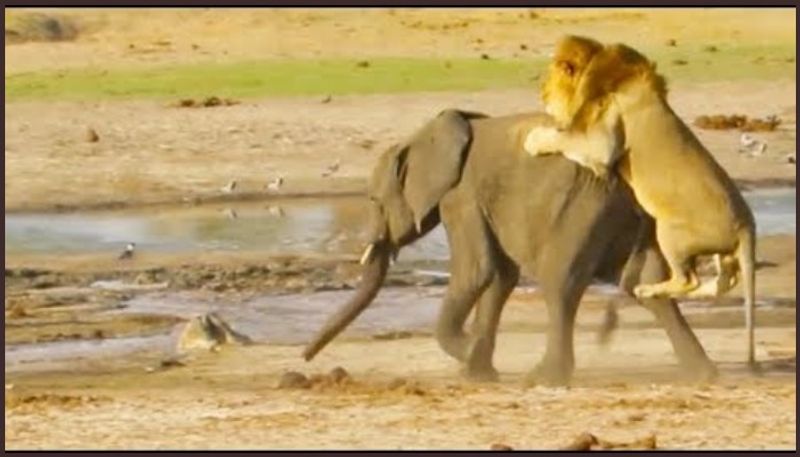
column 275, row 184
column 751, row 145
column 128, row 252
column 230, row 187
column 746, row 140
column 275, row 211
column 332, row 168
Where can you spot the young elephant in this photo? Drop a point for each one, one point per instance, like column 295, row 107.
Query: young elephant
column 506, row 212
column 612, row 109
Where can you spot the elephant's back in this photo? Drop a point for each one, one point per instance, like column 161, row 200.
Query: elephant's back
column 534, row 202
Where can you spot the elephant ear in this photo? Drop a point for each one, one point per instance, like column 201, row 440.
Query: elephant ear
column 433, row 162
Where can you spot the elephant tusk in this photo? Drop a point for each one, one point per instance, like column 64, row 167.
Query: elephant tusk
column 367, row 254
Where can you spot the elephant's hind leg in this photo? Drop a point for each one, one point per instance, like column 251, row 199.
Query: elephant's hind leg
column 479, row 364
column 647, row 266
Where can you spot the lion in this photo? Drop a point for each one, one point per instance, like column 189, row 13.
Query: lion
column 613, row 97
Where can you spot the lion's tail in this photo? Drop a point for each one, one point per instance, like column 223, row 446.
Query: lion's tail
column 747, row 259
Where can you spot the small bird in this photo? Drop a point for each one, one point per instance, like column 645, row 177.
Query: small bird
column 230, row 187
column 275, row 184
column 332, row 168
column 746, row 141
column 790, row 158
column 275, row 211
column 327, row 99
column 751, row 145
column 231, row 213
column 128, row 252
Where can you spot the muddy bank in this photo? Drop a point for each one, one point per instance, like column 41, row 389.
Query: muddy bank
column 95, row 297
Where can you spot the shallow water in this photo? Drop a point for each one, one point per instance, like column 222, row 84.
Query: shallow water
column 297, row 226
column 276, row 319
column 295, row 318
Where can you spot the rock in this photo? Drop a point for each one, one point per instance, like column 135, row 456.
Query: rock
column 294, row 380
column 586, row 442
column 92, row 136
column 207, row 332
column 582, row 442
column 399, row 335
column 171, row 363
column 637, row 417
column 338, row 375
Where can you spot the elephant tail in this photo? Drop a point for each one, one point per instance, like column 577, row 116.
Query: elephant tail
column 609, row 325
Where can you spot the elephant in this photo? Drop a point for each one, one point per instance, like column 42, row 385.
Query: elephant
column 506, row 213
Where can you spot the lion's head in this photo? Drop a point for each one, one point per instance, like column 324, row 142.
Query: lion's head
column 572, row 56
column 584, row 74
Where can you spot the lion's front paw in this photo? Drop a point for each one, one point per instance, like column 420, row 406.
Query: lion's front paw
column 540, row 140
column 599, row 170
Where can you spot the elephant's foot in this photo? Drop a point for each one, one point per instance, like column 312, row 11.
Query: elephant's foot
column 701, row 372
column 455, row 345
column 479, row 362
column 549, row 374
column 482, row 374
column 755, row 368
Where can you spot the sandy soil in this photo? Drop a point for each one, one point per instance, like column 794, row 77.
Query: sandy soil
column 146, row 37
column 149, row 152
column 230, row 399
column 403, row 393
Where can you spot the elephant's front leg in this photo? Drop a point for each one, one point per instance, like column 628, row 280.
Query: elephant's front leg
column 563, row 284
column 479, row 364
column 472, row 268
column 458, row 302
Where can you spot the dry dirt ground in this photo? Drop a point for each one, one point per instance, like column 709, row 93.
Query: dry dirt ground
column 402, row 394
column 405, row 393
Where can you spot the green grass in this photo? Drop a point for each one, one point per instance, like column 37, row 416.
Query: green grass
column 276, row 77
column 383, row 75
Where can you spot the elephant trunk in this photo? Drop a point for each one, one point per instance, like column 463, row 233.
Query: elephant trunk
column 376, row 264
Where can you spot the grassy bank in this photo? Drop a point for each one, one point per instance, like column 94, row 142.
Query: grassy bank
column 384, row 75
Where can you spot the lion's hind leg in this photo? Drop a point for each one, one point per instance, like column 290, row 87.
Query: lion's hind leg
column 726, row 279
column 680, row 259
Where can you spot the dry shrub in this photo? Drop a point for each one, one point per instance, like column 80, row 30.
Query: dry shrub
column 737, row 121
column 24, row 27
column 208, row 102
